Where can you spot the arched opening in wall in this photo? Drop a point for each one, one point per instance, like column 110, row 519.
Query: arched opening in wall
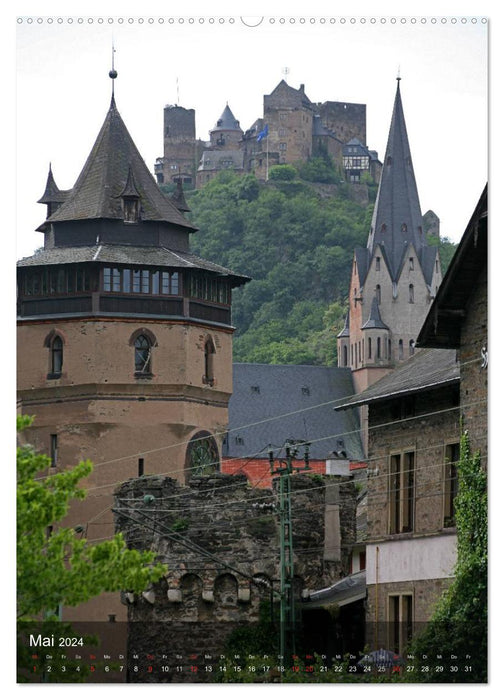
column 401, row 349
column 191, row 587
column 202, row 455
column 208, row 377
column 411, row 294
column 54, row 341
column 378, row 293
column 378, row 348
column 389, row 345
column 370, row 349
column 345, row 356
column 412, row 347
column 226, row 590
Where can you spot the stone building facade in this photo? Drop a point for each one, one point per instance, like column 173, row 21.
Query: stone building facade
column 414, row 435
column 219, row 537
column 124, row 336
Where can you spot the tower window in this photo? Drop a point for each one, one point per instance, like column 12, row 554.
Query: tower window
column 378, row 348
column 411, row 347
column 143, row 355
column 208, row 377
column 56, row 350
column 378, row 294
column 412, row 263
column 378, row 260
column 404, row 228
column 370, row 349
column 345, row 356
column 411, row 294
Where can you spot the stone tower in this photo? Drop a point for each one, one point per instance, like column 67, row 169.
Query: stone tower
column 179, row 146
column 124, row 336
column 393, row 279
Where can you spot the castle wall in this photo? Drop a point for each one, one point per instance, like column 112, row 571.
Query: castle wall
column 347, row 120
column 200, row 601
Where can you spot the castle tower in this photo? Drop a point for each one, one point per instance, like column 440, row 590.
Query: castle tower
column 179, row 146
column 393, row 279
column 124, row 336
column 226, row 133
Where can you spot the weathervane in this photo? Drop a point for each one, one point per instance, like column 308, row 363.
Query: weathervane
column 113, row 72
column 398, row 73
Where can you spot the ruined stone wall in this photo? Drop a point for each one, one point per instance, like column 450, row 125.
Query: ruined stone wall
column 203, row 598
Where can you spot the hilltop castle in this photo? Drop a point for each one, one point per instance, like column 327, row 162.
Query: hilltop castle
column 292, row 129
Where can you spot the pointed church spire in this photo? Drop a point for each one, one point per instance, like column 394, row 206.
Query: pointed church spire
column 397, row 218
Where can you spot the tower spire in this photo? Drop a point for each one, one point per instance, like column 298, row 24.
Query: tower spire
column 113, row 73
column 397, row 218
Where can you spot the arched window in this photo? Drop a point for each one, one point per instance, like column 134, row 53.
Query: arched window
column 345, row 356
column 370, row 349
column 411, row 294
column 378, row 348
column 401, row 349
column 143, row 359
column 56, row 355
column 411, row 347
column 143, row 341
column 378, row 293
column 208, row 377
column 54, row 341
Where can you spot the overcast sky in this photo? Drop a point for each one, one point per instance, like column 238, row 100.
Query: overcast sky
column 203, row 61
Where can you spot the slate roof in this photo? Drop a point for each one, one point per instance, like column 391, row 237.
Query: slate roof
column 127, row 255
column 227, row 121
column 178, row 197
column 105, row 175
column 426, row 369
column 213, row 159
column 52, row 192
column 348, row 148
column 375, row 319
column 345, row 333
column 348, row 590
column 397, row 204
column 281, row 402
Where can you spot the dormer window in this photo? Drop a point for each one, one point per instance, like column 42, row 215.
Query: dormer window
column 131, row 200
column 131, row 210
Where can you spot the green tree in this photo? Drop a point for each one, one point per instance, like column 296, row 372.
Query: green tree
column 458, row 627
column 54, row 565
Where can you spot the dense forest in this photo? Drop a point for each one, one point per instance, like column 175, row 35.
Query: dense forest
column 294, row 236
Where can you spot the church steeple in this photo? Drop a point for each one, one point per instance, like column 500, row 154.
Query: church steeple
column 397, row 218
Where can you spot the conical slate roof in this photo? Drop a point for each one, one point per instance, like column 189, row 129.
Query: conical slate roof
column 52, row 193
column 375, row 319
column 397, row 218
column 112, row 169
column 178, row 197
column 227, row 121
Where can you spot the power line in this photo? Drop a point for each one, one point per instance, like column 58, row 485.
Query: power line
column 244, row 427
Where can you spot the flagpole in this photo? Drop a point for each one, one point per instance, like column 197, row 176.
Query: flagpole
column 267, row 157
